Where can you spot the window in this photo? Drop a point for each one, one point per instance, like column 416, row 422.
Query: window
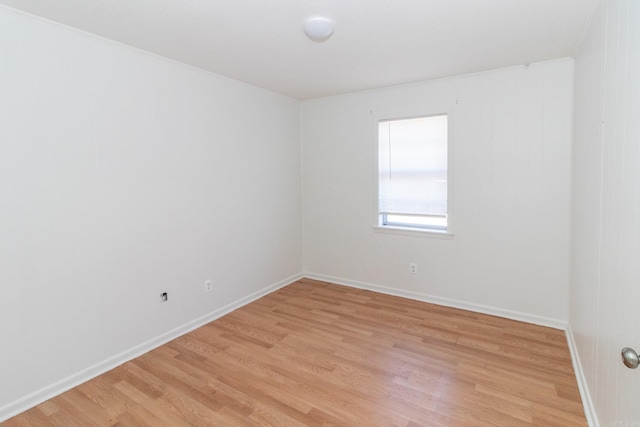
column 413, row 173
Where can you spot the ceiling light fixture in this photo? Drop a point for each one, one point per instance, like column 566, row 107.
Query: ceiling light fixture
column 318, row 29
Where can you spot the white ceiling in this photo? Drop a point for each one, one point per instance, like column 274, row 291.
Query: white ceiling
column 376, row 42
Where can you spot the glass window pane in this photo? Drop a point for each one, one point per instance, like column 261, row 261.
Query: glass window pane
column 413, row 166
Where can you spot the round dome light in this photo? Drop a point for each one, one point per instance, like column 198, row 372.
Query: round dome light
column 318, row 29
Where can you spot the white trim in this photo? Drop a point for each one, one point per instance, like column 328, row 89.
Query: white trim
column 52, row 390
column 416, row 232
column 447, row 302
column 391, row 114
column 421, row 83
column 587, row 403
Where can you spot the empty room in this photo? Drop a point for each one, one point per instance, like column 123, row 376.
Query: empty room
column 319, row 213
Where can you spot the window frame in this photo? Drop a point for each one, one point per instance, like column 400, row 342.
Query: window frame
column 403, row 229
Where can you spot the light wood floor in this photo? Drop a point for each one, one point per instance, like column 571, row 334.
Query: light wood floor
column 319, row 354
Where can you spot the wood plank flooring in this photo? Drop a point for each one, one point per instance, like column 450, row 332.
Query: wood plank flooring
column 319, row 354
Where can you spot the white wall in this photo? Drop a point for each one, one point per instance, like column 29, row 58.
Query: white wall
column 123, row 175
column 606, row 212
column 511, row 184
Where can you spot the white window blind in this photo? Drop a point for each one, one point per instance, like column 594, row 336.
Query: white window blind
column 413, row 166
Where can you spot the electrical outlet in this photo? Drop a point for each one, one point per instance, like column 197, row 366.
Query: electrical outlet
column 413, row 268
column 164, row 296
column 207, row 286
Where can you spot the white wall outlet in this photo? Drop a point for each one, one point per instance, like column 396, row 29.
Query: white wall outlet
column 207, row 286
column 413, row 268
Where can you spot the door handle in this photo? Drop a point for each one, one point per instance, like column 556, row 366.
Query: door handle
column 630, row 358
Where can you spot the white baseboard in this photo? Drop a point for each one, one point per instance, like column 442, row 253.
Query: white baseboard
column 447, row 302
column 46, row 393
column 589, row 408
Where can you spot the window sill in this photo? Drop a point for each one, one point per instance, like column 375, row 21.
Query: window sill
column 407, row 231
